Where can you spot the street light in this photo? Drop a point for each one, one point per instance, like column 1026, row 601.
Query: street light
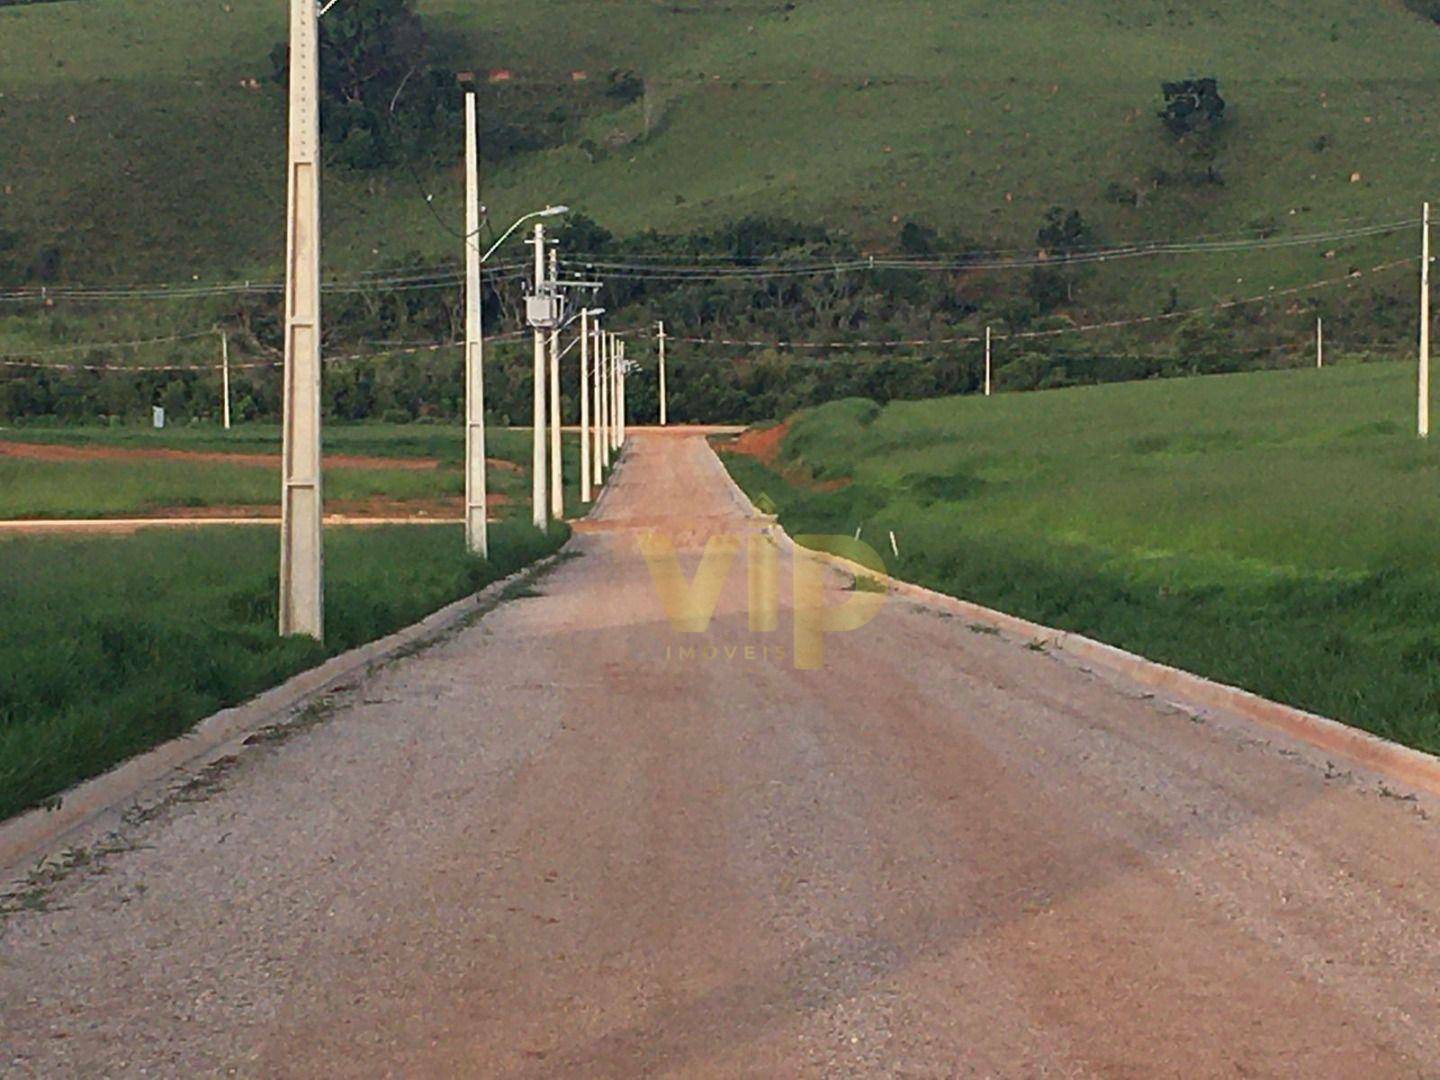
column 549, row 211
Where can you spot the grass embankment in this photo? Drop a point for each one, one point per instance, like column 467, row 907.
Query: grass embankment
column 111, row 645
column 1273, row 530
column 132, row 484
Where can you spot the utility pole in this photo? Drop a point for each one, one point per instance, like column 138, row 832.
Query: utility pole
column 601, row 460
column 987, row 361
column 663, row 420
column 225, row 378
column 302, row 604
column 585, row 405
column 1319, row 341
column 1425, row 322
column 539, row 508
column 606, row 384
column 477, row 533
column 616, row 353
column 622, row 393
column 557, row 486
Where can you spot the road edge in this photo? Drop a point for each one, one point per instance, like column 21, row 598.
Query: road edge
column 30, row 837
column 1375, row 753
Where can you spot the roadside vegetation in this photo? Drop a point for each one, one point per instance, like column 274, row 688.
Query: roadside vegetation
column 1272, row 530
column 110, row 645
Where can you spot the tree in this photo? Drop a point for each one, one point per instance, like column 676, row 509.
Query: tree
column 381, row 98
column 1194, row 114
column 1192, row 106
column 1061, row 235
column 918, row 239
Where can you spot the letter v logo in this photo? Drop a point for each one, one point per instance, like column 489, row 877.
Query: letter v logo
column 689, row 605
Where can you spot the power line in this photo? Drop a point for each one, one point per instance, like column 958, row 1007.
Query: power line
column 1114, row 324
column 975, row 261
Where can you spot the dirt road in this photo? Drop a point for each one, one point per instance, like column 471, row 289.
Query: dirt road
column 550, row 846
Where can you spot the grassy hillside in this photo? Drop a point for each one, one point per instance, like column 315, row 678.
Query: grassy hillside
column 1274, row 530
column 133, row 141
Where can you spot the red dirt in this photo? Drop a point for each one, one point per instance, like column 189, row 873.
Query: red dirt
column 374, row 506
column 763, row 444
column 48, row 452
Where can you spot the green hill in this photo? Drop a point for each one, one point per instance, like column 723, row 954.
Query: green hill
column 132, row 140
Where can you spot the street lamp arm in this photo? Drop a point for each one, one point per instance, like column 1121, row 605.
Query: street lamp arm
column 549, row 211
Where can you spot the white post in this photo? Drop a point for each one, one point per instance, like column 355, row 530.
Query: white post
column 557, row 484
column 1425, row 323
column 987, row 361
column 225, row 378
column 597, row 388
column 617, row 419
column 477, row 534
column 584, row 405
column 302, row 597
column 607, row 407
column 663, row 403
column 1319, row 342
column 539, row 508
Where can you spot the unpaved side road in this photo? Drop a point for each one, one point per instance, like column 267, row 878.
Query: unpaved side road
column 551, row 846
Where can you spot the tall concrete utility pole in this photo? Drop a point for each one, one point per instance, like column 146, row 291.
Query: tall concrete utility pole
column 302, row 606
column 1320, row 342
column 477, row 533
column 607, row 438
column 663, row 420
column 620, row 394
column 584, row 386
column 987, row 361
column 599, row 402
column 1424, row 406
column 225, row 378
column 539, row 508
column 557, row 486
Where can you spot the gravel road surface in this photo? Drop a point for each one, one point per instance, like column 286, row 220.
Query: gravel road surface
column 554, row 844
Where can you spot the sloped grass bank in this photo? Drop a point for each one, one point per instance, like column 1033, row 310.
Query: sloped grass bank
column 1275, row 531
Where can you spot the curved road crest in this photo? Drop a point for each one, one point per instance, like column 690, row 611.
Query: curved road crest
column 571, row 840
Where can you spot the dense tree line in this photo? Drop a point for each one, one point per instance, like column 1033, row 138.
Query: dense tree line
column 707, row 382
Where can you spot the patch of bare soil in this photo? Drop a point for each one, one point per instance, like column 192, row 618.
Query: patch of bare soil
column 48, row 452
column 763, row 444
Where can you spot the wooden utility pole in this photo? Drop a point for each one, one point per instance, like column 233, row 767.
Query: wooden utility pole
column 1424, row 404
column 663, row 402
column 585, row 405
column 539, row 508
column 302, row 609
column 225, row 378
column 477, row 531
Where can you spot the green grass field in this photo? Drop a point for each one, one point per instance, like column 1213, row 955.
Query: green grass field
column 51, row 489
column 970, row 115
column 110, row 645
column 1273, row 530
